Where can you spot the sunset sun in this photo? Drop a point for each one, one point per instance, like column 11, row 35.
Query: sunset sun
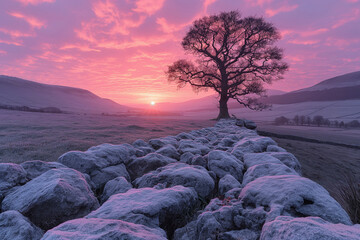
column 152, row 103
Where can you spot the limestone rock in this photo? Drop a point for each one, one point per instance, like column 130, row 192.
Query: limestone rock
column 285, row 227
column 101, row 176
column 36, row 168
column 150, row 162
column 250, row 124
column 252, row 159
column 11, row 175
column 266, row 169
column 223, row 163
column 84, row 162
column 288, row 159
column 179, row 174
column 15, row 226
column 293, row 196
column 274, row 148
column 169, row 151
column 52, row 198
column 151, row 207
column 112, row 187
column 103, row 229
column 227, row 183
column 114, row 154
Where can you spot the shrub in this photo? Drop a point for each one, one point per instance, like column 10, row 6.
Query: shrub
column 281, row 120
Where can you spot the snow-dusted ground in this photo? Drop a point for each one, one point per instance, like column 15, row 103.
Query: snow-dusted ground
column 42, row 136
column 222, row 182
column 337, row 110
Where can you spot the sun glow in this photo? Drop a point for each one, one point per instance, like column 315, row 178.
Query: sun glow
column 152, row 103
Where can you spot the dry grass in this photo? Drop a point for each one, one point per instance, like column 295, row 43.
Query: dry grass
column 348, row 195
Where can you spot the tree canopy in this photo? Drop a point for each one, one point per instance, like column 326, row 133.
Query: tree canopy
column 234, row 56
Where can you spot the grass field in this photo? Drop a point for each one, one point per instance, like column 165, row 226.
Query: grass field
column 41, row 136
column 28, row 136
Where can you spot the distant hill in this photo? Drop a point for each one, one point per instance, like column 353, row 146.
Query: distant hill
column 19, row 92
column 204, row 103
column 344, row 87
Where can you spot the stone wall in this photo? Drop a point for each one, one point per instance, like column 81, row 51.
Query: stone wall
column 223, row 182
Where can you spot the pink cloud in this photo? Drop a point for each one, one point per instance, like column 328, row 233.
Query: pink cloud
column 303, row 42
column 168, row 27
column 259, row 2
column 83, row 48
column 15, row 33
column 353, row 16
column 119, row 49
column 11, row 42
column 272, row 12
column 207, row 3
column 32, row 21
column 35, row 2
column 313, row 32
column 148, row 6
column 143, row 56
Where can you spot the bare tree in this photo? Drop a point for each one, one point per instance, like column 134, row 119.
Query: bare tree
column 234, row 56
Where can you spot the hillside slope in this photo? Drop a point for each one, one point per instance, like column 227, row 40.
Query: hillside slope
column 344, row 87
column 19, row 92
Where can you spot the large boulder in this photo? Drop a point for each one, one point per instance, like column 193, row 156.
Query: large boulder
column 250, row 124
column 169, row 151
column 15, row 226
column 166, row 208
column 112, row 187
column 101, row 176
column 247, row 145
column 36, row 168
column 252, row 159
column 275, row 148
column 223, row 163
column 227, row 183
column 52, row 198
column 150, row 162
column 292, row 196
column 285, row 227
column 288, row 159
column 193, row 147
column 179, row 174
column 267, row 169
column 84, row 162
column 114, row 154
column 11, row 175
column 103, row 229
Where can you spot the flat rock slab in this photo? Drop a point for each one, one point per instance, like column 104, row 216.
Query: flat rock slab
column 14, row 226
column 165, row 208
column 103, row 229
column 179, row 174
column 54, row 197
column 285, row 227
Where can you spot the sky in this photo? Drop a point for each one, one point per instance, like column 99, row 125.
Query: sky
column 120, row 49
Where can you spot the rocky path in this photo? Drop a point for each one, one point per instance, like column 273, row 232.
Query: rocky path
column 222, row 182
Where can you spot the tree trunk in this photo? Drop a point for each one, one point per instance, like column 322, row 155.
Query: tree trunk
column 223, row 108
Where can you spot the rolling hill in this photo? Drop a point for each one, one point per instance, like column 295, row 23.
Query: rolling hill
column 19, row 92
column 344, row 87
